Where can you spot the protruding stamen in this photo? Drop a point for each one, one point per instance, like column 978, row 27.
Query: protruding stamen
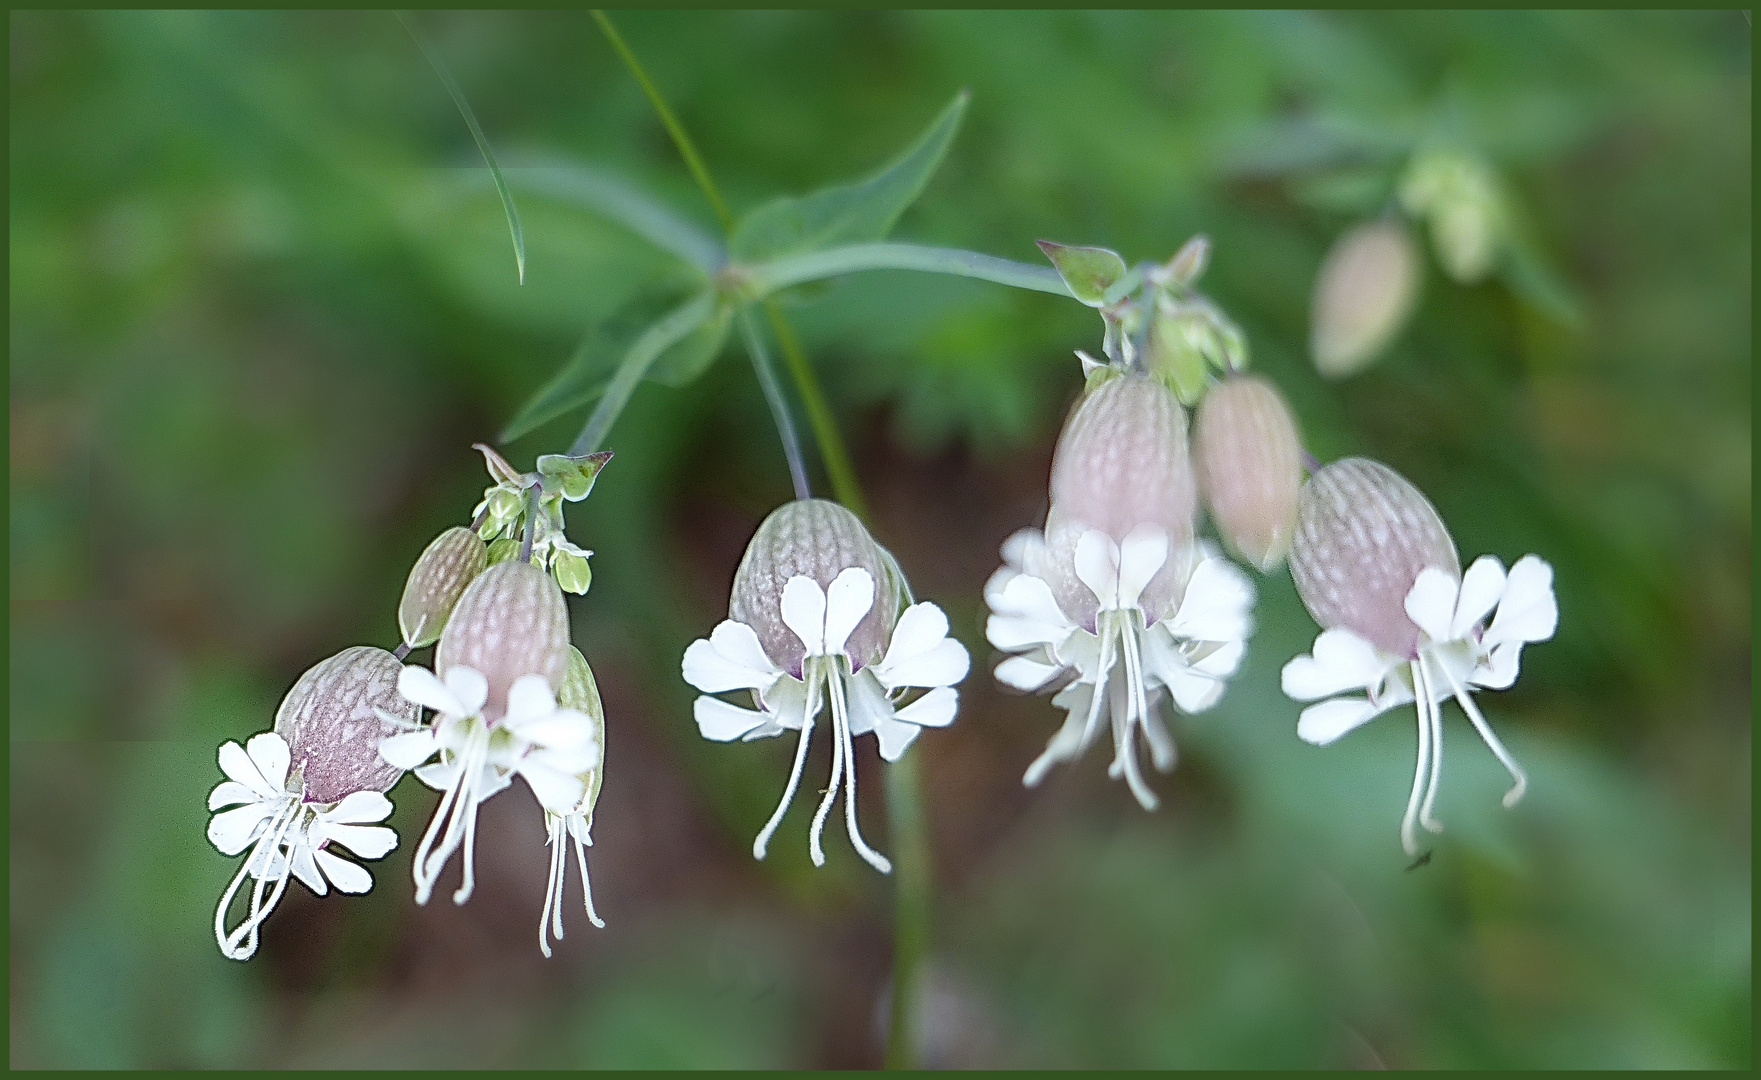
column 776, row 818
column 1408, row 834
column 1062, row 746
column 1104, row 627
column 1432, row 711
column 1515, row 794
column 841, row 730
column 586, row 890
column 814, row 847
column 1137, row 709
column 272, row 832
column 550, row 918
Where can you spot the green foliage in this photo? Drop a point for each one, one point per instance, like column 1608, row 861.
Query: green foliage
column 1090, row 272
column 850, row 213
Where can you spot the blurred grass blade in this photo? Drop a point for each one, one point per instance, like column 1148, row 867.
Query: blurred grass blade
column 458, row 98
column 791, row 270
column 849, row 213
column 622, row 203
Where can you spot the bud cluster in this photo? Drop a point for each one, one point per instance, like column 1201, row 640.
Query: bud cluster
column 510, row 697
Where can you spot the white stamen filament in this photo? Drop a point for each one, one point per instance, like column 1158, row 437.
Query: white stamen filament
column 1515, row 794
column 457, row 804
column 814, row 846
column 776, row 818
column 1137, row 710
column 1408, row 833
column 1434, row 708
column 841, row 727
column 241, row 943
column 586, row 890
column 550, row 919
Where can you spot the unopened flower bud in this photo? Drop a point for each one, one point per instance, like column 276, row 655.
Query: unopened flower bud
column 1190, row 338
column 580, row 692
column 1122, row 461
column 502, row 550
column 331, row 723
column 1364, row 293
column 436, row 582
column 511, row 622
column 1364, row 533
column 817, row 539
column 1460, row 195
column 1249, row 462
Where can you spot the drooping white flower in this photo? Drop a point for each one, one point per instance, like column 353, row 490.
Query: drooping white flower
column 1457, row 653
column 1117, row 663
column 1400, row 624
column 818, row 661
column 550, row 748
column 315, row 781
column 1115, row 604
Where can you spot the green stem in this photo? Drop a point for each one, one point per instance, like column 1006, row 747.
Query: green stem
column 767, row 278
column 905, row 817
column 779, row 405
column 655, row 340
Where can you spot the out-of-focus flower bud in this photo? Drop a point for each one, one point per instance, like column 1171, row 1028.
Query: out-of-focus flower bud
column 569, row 563
column 1190, row 338
column 817, row 539
column 511, row 622
column 331, row 723
column 1364, row 293
column 1460, row 195
column 436, row 582
column 1249, row 463
column 1364, row 533
column 1187, row 265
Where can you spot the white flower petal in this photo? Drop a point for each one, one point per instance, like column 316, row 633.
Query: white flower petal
column 231, row 793
column 866, row 703
column 1020, row 545
column 739, row 661
column 346, row 876
column 239, row 767
column 1029, row 615
column 1431, row 603
column 1026, row 674
column 270, row 755
column 786, row 702
column 803, row 610
column 997, row 582
column 234, row 830
column 1193, row 691
column 1499, row 670
column 1143, row 552
column 563, row 728
column 1481, row 587
column 894, row 738
column 1341, row 661
column 1217, row 604
column 846, row 602
column 408, row 750
column 1097, row 566
column 367, row 841
column 721, row 722
column 706, row 668
column 361, row 807
column 934, row 709
column 1529, row 611
column 576, row 761
column 424, row 688
column 440, row 776
column 529, row 699
column 306, row 869
column 919, row 629
column 1221, row 662
column 944, row 663
column 468, row 687
column 556, row 791
column 1326, row 722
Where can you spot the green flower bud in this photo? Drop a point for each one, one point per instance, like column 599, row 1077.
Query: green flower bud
column 1364, row 293
column 438, row 579
column 1189, row 339
column 1460, row 195
column 1363, row 535
column 572, row 570
column 818, row 539
column 332, row 729
column 1249, row 463
column 502, row 550
column 511, row 621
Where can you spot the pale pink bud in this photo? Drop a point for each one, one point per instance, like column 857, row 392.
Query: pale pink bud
column 1122, row 461
column 1249, row 461
column 438, row 579
column 817, row 539
column 511, row 622
column 332, row 729
column 1364, row 292
column 1363, row 535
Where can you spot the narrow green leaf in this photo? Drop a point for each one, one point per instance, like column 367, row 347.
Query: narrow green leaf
column 674, row 327
column 1087, row 271
column 681, row 364
column 615, row 200
column 584, row 376
column 851, row 213
column 458, row 98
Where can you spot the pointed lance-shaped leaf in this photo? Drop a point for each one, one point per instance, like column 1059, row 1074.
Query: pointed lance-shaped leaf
column 572, row 477
column 854, row 213
column 1088, row 272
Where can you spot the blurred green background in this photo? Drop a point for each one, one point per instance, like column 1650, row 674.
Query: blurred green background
column 263, row 300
